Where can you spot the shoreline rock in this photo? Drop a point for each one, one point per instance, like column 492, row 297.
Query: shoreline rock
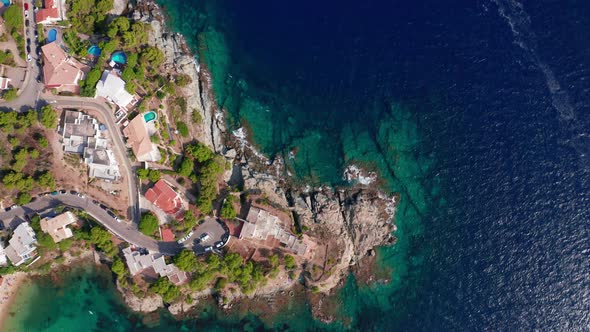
column 351, row 221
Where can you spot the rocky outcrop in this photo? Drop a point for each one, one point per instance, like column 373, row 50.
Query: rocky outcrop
column 119, row 7
column 178, row 59
column 347, row 222
column 148, row 303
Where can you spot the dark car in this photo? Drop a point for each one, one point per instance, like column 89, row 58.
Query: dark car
column 28, row 41
column 102, row 206
column 27, row 23
column 28, row 49
column 111, row 213
column 95, row 202
column 73, row 192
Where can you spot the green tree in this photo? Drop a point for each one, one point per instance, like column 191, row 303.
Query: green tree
column 182, row 128
column 89, row 84
column 48, row 117
column 165, row 288
column 196, row 116
column 118, row 267
column 273, row 260
column 20, row 160
column 186, row 260
column 227, row 210
column 200, row 152
column 143, row 173
column 13, row 18
column 186, row 167
column 46, row 180
column 154, row 175
column 289, row 262
column 23, row 198
column 152, row 56
column 10, row 94
column 183, row 80
column 43, row 142
column 148, row 224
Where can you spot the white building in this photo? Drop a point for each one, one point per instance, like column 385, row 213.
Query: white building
column 112, row 87
column 101, row 161
column 138, row 262
column 3, row 260
column 22, row 244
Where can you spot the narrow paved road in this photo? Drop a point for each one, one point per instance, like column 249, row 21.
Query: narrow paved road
column 29, row 93
column 121, row 229
column 120, row 148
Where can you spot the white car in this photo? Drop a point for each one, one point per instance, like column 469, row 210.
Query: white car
column 26, row 14
column 186, row 237
column 29, row 57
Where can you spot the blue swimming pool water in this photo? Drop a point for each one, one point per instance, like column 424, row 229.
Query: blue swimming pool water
column 150, row 116
column 119, row 57
column 6, row 3
column 51, row 36
column 94, row 50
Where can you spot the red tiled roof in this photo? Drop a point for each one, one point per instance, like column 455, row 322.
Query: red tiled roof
column 164, row 197
column 167, row 235
column 45, row 13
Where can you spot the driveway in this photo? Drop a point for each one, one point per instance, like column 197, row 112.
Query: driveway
column 217, row 231
column 121, row 229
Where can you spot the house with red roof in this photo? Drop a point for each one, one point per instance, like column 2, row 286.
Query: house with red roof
column 54, row 11
column 164, row 197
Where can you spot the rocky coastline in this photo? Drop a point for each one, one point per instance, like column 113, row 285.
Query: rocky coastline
column 350, row 222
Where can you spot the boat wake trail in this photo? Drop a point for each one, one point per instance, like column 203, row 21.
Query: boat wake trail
column 520, row 23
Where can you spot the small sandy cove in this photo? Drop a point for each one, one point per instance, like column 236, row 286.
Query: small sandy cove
column 8, row 288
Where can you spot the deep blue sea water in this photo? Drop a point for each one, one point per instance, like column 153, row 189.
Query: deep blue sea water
column 477, row 112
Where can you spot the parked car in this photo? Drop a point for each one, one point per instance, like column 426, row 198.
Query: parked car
column 27, row 15
column 14, row 207
column 7, row 209
column 95, row 202
column 218, row 244
column 111, row 213
column 29, row 57
column 81, row 195
column 102, row 206
column 28, row 49
column 27, row 21
column 28, row 41
column 186, row 237
column 204, row 237
column 73, row 192
column 54, row 193
column 62, row 191
column 117, row 219
column 209, row 248
column 26, row 6
column 44, row 194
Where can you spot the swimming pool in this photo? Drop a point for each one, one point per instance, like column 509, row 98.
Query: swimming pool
column 51, row 36
column 150, row 116
column 119, row 57
column 6, row 3
column 94, row 50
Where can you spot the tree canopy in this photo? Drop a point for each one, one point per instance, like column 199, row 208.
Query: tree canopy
column 186, row 261
column 48, row 117
column 148, row 224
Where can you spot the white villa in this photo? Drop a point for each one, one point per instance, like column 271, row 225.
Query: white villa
column 22, row 244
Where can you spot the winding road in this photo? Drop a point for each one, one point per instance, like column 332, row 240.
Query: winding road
column 127, row 232
column 120, row 148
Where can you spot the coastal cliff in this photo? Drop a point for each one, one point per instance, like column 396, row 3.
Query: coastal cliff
column 347, row 223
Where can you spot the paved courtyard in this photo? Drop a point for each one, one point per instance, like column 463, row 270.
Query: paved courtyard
column 218, row 235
